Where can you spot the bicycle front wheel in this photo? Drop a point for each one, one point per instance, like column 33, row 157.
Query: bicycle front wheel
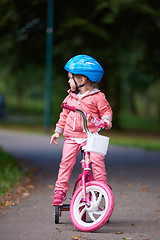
column 99, row 211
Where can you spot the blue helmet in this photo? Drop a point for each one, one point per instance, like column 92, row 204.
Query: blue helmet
column 85, row 65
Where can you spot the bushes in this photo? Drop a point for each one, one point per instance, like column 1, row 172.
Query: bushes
column 10, row 173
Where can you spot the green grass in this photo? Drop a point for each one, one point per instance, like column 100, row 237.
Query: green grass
column 148, row 142
column 10, row 172
column 140, row 124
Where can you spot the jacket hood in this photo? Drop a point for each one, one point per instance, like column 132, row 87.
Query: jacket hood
column 95, row 90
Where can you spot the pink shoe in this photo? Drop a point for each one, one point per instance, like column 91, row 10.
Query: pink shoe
column 59, row 198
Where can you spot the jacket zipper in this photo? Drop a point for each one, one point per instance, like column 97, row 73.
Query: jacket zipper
column 79, row 101
column 74, row 123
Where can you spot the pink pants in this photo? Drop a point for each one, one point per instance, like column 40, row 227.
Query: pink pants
column 70, row 153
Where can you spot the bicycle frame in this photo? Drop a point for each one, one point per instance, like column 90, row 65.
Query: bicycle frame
column 85, row 176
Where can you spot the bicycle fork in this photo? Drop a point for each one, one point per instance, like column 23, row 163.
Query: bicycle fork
column 85, row 177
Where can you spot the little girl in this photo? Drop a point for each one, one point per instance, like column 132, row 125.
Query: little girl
column 84, row 72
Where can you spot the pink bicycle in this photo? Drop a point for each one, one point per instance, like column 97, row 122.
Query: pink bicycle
column 92, row 201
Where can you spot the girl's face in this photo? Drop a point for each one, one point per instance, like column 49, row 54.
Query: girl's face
column 71, row 81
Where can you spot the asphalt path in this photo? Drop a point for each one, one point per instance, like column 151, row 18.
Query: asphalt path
column 134, row 175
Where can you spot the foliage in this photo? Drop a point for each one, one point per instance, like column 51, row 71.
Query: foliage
column 122, row 35
column 9, row 172
column 136, row 141
column 129, row 122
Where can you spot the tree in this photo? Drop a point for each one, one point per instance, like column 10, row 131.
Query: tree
column 22, row 44
column 122, row 35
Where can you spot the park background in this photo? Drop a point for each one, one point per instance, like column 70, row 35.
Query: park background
column 122, row 35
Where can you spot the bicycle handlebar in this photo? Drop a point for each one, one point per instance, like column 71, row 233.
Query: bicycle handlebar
column 71, row 108
column 87, row 117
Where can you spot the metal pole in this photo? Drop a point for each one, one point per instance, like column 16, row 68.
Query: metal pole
column 48, row 74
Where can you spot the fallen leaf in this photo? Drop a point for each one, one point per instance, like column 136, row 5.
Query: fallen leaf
column 157, row 210
column 2, row 212
column 9, row 203
column 144, row 189
column 8, row 194
column 78, row 237
column 113, row 178
column 20, row 190
column 25, row 194
column 38, row 191
column 127, row 238
column 124, row 196
column 119, row 232
column 59, row 229
column 30, row 186
column 2, row 204
column 133, row 224
column 17, row 202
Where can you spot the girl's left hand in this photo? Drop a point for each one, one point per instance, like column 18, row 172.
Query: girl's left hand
column 55, row 136
column 109, row 123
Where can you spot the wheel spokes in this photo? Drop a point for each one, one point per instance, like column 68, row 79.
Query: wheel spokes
column 96, row 201
column 93, row 196
column 92, row 216
column 81, row 204
column 82, row 212
column 99, row 212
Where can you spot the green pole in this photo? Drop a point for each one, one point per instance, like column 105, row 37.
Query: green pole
column 48, row 74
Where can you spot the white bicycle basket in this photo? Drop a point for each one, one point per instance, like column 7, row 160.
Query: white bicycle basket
column 97, row 143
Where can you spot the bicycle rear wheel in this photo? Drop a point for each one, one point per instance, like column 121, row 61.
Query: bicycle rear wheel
column 56, row 214
column 99, row 211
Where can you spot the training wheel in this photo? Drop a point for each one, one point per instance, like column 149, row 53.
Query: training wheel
column 56, row 214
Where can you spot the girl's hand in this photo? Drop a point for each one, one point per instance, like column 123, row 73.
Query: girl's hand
column 54, row 137
column 109, row 123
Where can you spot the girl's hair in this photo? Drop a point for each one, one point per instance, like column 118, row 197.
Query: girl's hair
column 93, row 84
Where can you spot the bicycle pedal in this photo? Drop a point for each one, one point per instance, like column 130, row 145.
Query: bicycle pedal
column 65, row 207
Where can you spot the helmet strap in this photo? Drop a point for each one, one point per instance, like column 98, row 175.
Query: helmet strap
column 77, row 87
column 83, row 84
column 76, row 91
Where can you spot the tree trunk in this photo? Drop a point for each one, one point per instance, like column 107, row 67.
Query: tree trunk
column 159, row 111
column 117, row 105
column 132, row 102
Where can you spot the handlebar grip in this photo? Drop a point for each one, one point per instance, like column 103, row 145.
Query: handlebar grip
column 96, row 121
column 106, row 124
column 71, row 108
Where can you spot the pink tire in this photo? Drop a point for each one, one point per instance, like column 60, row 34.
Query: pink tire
column 99, row 211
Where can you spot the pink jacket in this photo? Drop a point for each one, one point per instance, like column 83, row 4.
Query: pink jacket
column 71, row 123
